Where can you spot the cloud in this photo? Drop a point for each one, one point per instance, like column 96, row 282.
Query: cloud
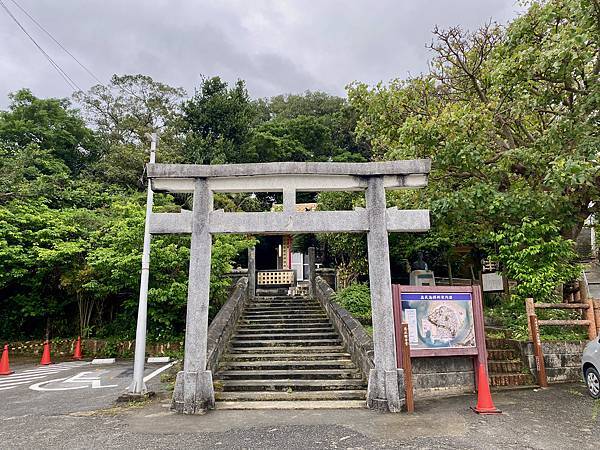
column 276, row 46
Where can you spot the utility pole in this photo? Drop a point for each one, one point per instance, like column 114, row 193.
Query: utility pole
column 138, row 387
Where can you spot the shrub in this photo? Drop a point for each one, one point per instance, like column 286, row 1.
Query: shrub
column 356, row 299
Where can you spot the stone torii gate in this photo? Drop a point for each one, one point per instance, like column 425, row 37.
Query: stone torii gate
column 194, row 385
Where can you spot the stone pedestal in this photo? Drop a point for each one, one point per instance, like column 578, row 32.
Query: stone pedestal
column 193, row 393
column 386, row 390
column 422, row 278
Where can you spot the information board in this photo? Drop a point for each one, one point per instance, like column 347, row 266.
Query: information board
column 439, row 320
column 442, row 320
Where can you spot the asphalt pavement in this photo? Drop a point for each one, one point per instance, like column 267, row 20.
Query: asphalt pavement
column 74, row 408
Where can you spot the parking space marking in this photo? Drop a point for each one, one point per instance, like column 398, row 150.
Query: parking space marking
column 15, row 384
column 157, row 371
column 83, row 379
column 23, row 377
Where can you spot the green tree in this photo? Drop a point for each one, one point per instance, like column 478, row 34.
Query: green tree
column 37, row 246
column 509, row 117
column 50, row 124
column 123, row 112
column 217, row 121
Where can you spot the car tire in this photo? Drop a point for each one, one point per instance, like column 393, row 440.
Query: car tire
column 592, row 380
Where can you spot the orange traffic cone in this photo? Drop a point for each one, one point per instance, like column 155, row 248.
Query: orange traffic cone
column 485, row 405
column 77, row 353
column 46, row 355
column 4, row 365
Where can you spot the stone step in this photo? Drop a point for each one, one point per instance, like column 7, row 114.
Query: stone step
column 284, row 315
column 290, row 385
column 298, row 301
column 290, row 320
column 283, row 357
column 504, row 367
column 282, row 342
column 247, row 396
column 283, row 328
column 287, row 336
column 296, row 310
column 283, row 306
column 293, row 306
column 270, row 321
column 499, row 344
column 293, row 404
column 288, row 365
column 282, row 300
column 517, row 379
column 299, row 349
column 290, row 374
column 503, row 354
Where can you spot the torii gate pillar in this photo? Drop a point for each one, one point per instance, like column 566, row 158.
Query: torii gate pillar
column 385, row 379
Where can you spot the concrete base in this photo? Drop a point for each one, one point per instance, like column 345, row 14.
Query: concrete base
column 297, row 404
column 386, row 390
column 193, row 393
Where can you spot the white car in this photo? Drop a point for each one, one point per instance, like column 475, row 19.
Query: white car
column 591, row 365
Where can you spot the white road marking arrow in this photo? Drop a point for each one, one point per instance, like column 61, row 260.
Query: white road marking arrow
column 93, row 382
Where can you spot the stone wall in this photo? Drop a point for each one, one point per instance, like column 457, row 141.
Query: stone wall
column 562, row 360
column 431, row 376
column 447, row 376
column 223, row 325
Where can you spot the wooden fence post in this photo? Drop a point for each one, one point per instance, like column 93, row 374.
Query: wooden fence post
column 530, row 310
column 407, row 366
column 596, row 304
column 537, row 349
column 591, row 314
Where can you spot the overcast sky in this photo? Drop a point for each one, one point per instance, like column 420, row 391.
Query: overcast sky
column 276, row 46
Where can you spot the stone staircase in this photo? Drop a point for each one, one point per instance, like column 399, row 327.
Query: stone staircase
column 592, row 274
column 505, row 366
column 286, row 353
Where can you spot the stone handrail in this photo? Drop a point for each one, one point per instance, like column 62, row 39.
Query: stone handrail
column 223, row 325
column 358, row 342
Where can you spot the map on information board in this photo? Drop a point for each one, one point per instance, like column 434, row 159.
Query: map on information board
column 439, row 320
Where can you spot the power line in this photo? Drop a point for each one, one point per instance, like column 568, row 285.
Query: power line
column 66, row 77
column 72, row 84
column 83, row 66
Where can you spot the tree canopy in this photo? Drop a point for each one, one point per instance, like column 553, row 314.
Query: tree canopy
column 509, row 116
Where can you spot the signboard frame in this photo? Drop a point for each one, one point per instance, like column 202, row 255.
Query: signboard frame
column 478, row 352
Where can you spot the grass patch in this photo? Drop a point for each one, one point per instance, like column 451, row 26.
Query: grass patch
column 596, row 409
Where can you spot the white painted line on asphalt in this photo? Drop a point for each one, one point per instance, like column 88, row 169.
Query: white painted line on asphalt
column 87, row 381
column 55, row 367
column 38, row 386
column 94, row 380
column 159, row 359
column 26, row 376
column 16, row 383
column 103, row 361
column 157, row 371
column 22, row 377
column 41, row 369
